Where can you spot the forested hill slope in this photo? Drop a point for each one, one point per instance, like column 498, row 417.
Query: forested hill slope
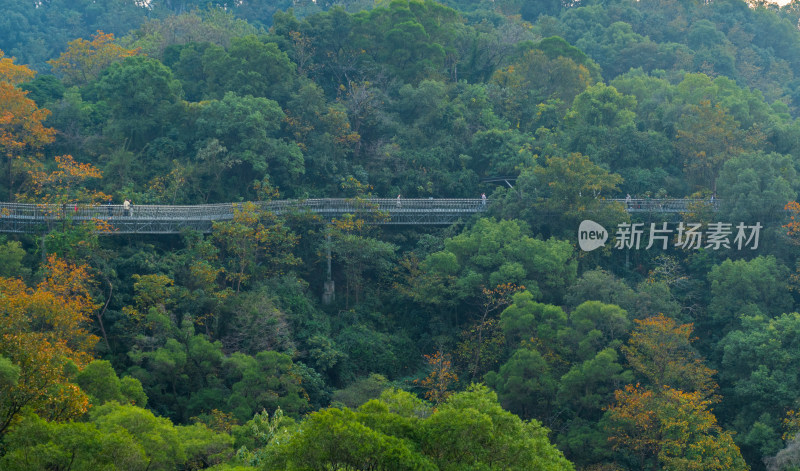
column 754, row 44
column 412, row 98
column 284, row 341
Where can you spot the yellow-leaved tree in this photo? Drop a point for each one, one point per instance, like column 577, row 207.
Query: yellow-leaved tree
column 668, row 424
column 44, row 334
column 83, row 60
column 22, row 132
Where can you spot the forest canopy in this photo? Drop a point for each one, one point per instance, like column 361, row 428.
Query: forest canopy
column 493, row 343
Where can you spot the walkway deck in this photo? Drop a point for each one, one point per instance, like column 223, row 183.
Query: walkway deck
column 163, row 219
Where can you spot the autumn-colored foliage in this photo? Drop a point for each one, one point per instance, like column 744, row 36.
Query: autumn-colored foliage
column 438, row 381
column 793, row 226
column 65, row 184
column 44, row 332
column 793, row 231
column 22, row 131
column 13, row 73
column 661, row 350
column 84, row 60
column 254, row 239
column 707, row 137
column 65, row 187
column 669, row 424
column 671, row 429
column 791, row 425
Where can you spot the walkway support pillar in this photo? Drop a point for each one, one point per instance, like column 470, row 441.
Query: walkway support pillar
column 328, row 289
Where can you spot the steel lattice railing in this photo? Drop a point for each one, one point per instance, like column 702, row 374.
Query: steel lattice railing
column 171, row 219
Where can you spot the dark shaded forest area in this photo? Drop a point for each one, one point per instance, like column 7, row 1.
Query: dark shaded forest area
column 496, row 343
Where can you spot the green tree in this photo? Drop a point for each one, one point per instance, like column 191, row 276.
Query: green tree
column 588, row 386
column 248, row 129
column 602, row 124
column 334, row 438
column 359, row 255
column 399, row 431
column 268, row 381
column 156, row 436
column 38, row 444
column 746, row 287
column 143, row 97
column 596, row 325
column 249, row 67
column 471, row 429
column 165, row 446
column 584, row 393
column 159, row 34
column 525, row 384
column 11, row 256
column 755, row 186
column 525, row 319
column 102, row 385
column 493, row 253
column 360, row 391
column 756, row 380
column 652, row 295
column 409, row 38
column 569, row 187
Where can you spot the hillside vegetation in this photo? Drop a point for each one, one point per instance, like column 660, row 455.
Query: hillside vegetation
column 496, row 343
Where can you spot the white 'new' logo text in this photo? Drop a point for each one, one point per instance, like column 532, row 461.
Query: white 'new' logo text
column 591, row 235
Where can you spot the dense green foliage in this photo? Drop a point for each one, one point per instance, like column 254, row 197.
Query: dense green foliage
column 215, row 350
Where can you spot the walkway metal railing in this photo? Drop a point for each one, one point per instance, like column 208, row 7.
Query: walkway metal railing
column 171, row 219
column 664, row 205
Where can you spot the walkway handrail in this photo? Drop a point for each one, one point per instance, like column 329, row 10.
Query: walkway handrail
column 159, row 219
column 163, row 219
column 665, row 205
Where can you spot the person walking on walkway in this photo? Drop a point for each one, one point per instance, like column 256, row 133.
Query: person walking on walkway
column 127, row 207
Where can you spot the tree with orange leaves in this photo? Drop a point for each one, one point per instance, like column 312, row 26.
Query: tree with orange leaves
column 61, row 188
column 22, row 132
column 438, row 381
column 793, row 231
column 63, row 185
column 669, row 429
column 83, row 60
column 44, row 333
column 661, row 350
column 254, row 242
column 13, row 73
column 662, row 426
column 793, row 226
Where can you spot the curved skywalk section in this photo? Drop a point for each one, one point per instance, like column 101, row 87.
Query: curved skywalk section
column 169, row 219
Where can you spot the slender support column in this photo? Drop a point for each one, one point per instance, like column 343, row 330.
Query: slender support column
column 328, row 239
column 328, row 290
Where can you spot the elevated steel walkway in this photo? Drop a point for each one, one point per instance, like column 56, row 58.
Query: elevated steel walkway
column 164, row 219
column 664, row 205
